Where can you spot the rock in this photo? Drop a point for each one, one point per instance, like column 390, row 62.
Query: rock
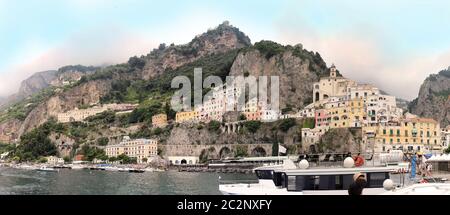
column 219, row 40
column 433, row 99
column 295, row 74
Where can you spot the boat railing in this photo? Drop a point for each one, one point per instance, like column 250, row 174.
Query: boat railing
column 335, row 159
column 237, row 181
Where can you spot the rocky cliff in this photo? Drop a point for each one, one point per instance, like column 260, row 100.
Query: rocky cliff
column 84, row 94
column 296, row 68
column 41, row 80
column 341, row 140
column 433, row 100
column 219, row 40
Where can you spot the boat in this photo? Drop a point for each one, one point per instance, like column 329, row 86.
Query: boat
column 136, row 170
column 123, row 169
column 77, row 167
column 421, row 189
column 47, row 169
column 279, row 180
column 112, row 168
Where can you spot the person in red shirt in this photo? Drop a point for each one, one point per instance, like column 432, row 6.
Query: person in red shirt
column 359, row 160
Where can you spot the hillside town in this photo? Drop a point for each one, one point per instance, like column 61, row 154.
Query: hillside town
column 338, row 103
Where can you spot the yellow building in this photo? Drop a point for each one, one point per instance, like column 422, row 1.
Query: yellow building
column 187, row 116
column 159, row 120
column 341, row 114
column 414, row 134
column 139, row 148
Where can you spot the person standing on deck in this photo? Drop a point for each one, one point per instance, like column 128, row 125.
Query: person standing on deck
column 358, row 185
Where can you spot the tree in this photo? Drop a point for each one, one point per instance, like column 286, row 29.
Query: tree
column 66, row 159
column 241, row 151
column 252, row 126
column 286, row 124
column 242, row 117
column 275, row 148
column 157, row 131
column 136, row 62
column 102, row 141
column 213, row 125
column 90, row 153
column 144, row 160
column 43, row 160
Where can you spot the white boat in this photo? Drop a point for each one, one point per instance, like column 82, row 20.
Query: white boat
column 421, row 189
column 77, row 167
column 123, row 169
column 112, row 168
column 279, row 180
column 27, row 167
column 47, row 169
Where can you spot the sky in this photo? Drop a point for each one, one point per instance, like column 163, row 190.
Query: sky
column 392, row 44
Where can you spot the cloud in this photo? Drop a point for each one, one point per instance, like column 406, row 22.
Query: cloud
column 107, row 45
column 101, row 45
column 362, row 53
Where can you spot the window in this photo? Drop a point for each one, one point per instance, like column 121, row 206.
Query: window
column 384, row 131
column 406, row 133
column 398, row 132
column 375, row 180
column 264, row 174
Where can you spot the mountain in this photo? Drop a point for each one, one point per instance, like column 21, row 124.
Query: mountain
column 433, row 100
column 41, row 80
column 215, row 41
column 296, row 68
column 146, row 81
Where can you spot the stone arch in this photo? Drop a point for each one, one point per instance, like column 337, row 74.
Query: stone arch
column 258, row 152
column 225, row 152
column 317, row 96
column 183, row 161
column 325, row 96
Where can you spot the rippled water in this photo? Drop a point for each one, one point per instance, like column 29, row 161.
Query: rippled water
column 86, row 182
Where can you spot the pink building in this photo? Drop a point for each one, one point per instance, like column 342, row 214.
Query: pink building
column 321, row 118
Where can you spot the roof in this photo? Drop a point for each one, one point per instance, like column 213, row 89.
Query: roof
column 427, row 120
column 340, row 171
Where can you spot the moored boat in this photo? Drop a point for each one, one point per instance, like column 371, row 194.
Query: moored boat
column 47, row 169
column 280, row 180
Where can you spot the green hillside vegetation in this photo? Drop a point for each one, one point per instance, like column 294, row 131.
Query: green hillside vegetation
column 270, row 49
column 21, row 109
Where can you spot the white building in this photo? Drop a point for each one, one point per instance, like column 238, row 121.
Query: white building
column 361, row 91
column 311, row 136
column 309, row 111
column 382, row 109
column 77, row 115
column 139, row 148
column 269, row 115
column 331, row 86
column 445, row 137
column 53, row 160
column 182, row 160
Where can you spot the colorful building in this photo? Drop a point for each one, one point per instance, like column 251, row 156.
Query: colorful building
column 414, row 134
column 159, row 120
column 187, row 116
column 252, row 116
